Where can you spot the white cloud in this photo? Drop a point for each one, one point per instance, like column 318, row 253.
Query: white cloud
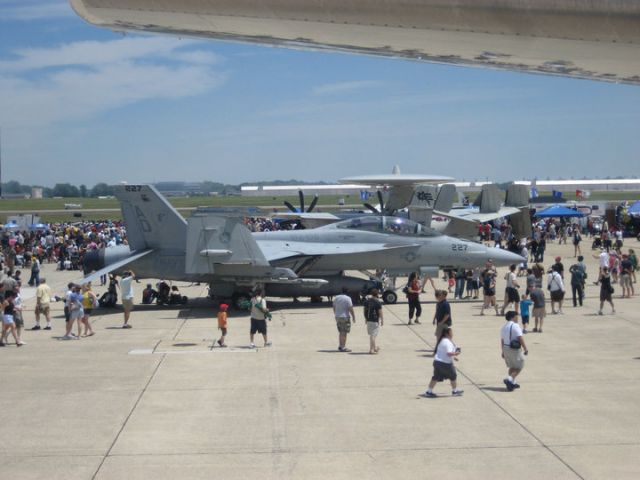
column 83, row 79
column 95, row 53
column 30, row 11
column 346, row 87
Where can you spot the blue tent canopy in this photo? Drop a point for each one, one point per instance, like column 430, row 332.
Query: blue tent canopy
column 558, row 211
column 634, row 209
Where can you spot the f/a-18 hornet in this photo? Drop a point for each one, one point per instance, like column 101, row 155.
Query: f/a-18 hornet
column 221, row 251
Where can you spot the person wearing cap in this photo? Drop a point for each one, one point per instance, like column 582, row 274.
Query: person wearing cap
column 222, row 324
column 558, row 267
column 512, row 348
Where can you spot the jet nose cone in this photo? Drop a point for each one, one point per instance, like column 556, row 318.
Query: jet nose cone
column 93, row 260
column 502, row 258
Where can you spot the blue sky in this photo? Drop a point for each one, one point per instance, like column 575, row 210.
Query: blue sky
column 85, row 105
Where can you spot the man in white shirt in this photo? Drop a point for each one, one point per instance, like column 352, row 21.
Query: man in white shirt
column 603, row 261
column 126, row 288
column 259, row 315
column 512, row 346
column 344, row 314
column 511, row 294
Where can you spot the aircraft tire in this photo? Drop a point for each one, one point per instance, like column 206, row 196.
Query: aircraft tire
column 389, row 297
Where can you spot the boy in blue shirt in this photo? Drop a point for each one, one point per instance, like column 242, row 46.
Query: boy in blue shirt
column 525, row 303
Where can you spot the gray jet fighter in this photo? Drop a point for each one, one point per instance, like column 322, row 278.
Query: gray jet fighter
column 221, row 251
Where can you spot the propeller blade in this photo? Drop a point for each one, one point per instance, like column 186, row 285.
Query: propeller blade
column 381, row 201
column 372, row 208
column 291, row 207
column 313, row 203
column 301, row 197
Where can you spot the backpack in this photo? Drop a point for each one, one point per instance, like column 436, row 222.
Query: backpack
column 371, row 307
column 577, row 276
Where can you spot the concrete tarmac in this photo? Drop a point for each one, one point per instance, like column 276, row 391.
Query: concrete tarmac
column 157, row 401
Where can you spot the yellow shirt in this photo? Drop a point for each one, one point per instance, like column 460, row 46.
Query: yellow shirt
column 43, row 294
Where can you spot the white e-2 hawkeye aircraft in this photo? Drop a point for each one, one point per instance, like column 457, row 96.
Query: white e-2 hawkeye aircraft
column 221, row 251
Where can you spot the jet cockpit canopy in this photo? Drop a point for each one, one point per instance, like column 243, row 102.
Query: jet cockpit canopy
column 386, row 224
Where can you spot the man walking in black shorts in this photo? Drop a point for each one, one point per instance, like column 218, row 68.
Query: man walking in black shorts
column 259, row 315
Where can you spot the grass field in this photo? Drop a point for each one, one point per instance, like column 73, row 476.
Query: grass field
column 35, row 205
column 40, row 206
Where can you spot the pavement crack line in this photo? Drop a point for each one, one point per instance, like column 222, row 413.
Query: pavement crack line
column 500, row 407
column 135, row 405
column 126, row 420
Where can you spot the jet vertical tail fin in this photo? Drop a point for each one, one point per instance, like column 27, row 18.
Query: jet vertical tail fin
column 422, row 202
column 489, row 199
column 518, row 196
column 446, row 196
column 151, row 221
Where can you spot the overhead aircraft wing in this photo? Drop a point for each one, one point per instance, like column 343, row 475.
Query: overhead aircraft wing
column 114, row 266
column 480, row 217
column 598, row 40
column 275, row 250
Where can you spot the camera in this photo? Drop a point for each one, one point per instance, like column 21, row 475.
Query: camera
column 458, row 350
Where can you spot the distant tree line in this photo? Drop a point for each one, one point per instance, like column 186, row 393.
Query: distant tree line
column 68, row 190
column 59, row 190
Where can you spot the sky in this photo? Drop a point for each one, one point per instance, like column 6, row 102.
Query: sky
column 84, row 105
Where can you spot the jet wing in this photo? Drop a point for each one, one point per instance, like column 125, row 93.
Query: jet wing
column 279, row 250
column 309, row 219
column 482, row 217
column 114, row 266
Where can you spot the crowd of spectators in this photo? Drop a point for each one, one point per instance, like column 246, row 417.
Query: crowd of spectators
column 62, row 243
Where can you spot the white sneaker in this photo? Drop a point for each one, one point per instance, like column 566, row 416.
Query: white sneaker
column 67, row 337
column 252, row 345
